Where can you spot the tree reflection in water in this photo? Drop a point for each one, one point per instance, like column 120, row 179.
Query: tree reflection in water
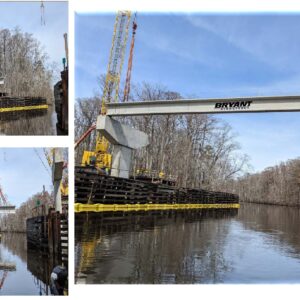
column 152, row 247
column 34, row 266
column 280, row 222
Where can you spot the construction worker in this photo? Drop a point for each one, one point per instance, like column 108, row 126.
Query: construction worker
column 58, row 281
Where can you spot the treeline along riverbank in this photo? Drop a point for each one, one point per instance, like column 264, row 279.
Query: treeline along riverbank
column 17, row 222
column 278, row 185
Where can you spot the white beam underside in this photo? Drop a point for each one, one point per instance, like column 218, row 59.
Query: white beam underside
column 7, row 209
column 206, row 106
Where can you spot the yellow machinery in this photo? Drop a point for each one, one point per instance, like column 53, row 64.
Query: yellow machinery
column 155, row 176
column 64, row 187
column 116, row 58
column 100, row 158
column 150, row 173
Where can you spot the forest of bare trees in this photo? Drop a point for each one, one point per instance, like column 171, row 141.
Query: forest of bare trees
column 17, row 222
column 275, row 185
column 198, row 150
column 24, row 65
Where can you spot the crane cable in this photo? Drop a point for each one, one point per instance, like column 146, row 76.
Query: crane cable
column 38, row 155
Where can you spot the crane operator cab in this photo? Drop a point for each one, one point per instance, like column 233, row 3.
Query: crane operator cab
column 93, row 160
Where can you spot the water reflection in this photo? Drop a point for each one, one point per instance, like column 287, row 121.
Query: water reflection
column 41, row 264
column 259, row 244
column 281, row 224
column 32, row 267
column 16, row 243
column 152, row 247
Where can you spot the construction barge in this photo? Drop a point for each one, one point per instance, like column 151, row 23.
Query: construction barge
column 49, row 233
column 61, row 103
column 14, row 108
column 96, row 191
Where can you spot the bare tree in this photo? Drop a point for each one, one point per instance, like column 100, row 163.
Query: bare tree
column 274, row 185
column 17, row 222
column 27, row 73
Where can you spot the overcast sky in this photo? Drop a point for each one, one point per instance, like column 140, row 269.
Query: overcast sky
column 22, row 173
column 27, row 16
column 209, row 55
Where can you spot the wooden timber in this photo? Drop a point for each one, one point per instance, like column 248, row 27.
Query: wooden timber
column 13, row 108
column 61, row 103
column 6, row 266
column 49, row 233
column 93, row 188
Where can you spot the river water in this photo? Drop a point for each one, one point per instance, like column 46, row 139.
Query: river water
column 28, row 272
column 255, row 244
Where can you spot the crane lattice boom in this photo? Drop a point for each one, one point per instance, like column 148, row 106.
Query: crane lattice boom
column 116, row 58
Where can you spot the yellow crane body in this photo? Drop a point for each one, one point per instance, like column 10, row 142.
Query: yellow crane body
column 100, row 158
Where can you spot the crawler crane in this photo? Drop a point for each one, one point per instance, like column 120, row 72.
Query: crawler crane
column 100, row 158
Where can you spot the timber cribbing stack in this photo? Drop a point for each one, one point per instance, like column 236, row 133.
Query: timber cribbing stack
column 12, row 108
column 49, row 233
column 92, row 188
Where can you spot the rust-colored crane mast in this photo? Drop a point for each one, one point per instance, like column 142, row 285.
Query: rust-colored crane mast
column 3, row 199
column 5, row 206
column 5, row 273
column 129, row 68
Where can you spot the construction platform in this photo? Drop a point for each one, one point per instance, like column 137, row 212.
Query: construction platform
column 13, row 108
column 6, row 266
column 115, row 193
column 49, row 233
column 61, row 103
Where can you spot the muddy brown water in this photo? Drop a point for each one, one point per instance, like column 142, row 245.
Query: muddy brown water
column 255, row 244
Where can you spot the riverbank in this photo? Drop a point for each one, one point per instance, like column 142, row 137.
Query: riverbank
column 268, row 203
column 278, row 185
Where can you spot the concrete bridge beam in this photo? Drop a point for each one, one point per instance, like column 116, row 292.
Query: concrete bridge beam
column 124, row 139
column 8, row 209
